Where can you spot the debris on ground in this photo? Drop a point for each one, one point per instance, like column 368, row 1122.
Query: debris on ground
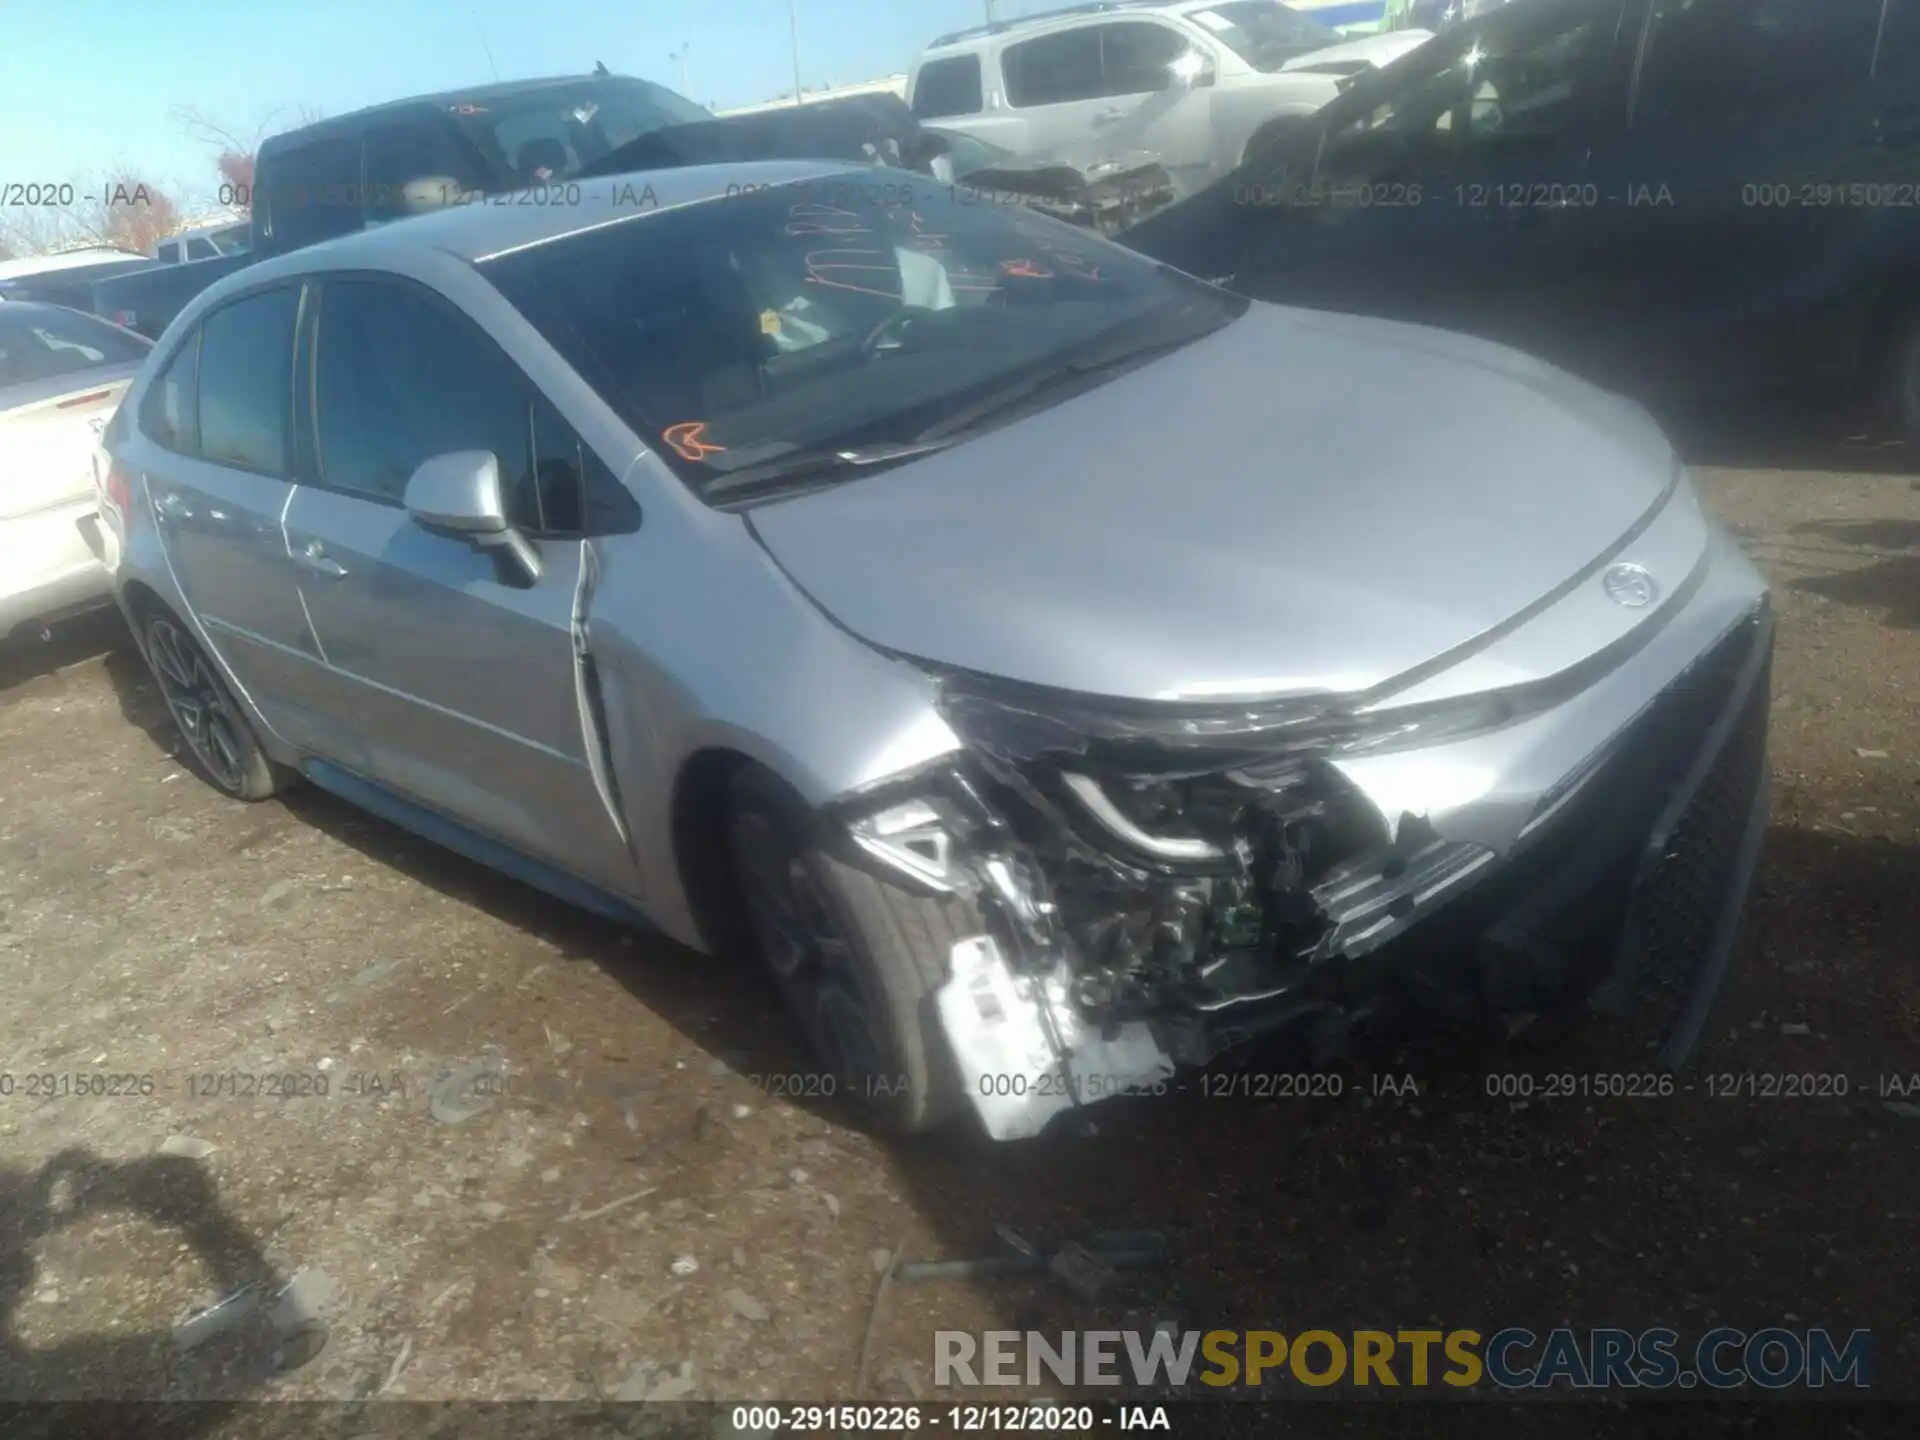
column 217, row 1319
column 455, row 1096
column 187, row 1147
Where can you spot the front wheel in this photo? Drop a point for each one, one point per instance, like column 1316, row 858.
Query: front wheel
column 222, row 744
column 859, row 960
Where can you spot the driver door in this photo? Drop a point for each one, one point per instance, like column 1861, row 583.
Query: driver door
column 449, row 678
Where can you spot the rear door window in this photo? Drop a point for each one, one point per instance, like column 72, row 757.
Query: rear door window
column 948, row 87
column 246, row 381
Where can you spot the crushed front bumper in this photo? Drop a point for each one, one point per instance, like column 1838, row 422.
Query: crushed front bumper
column 1625, row 891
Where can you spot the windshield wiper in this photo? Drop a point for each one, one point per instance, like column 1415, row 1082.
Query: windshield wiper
column 802, row 465
column 1067, row 373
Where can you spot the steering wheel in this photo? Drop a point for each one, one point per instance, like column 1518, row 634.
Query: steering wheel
column 895, row 324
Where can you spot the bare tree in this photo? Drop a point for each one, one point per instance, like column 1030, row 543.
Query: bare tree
column 122, row 210
column 234, row 149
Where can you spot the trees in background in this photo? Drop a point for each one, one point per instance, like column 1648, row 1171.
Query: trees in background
column 128, row 211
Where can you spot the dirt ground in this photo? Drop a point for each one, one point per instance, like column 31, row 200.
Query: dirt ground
column 625, row 1206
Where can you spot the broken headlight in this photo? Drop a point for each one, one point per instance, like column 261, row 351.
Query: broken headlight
column 1181, row 846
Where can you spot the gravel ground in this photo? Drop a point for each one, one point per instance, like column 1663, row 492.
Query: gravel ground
column 625, row 1205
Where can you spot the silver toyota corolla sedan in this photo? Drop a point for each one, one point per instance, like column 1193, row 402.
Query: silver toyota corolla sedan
column 1057, row 670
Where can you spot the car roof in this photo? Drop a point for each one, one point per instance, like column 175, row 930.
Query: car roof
column 494, row 225
column 355, row 121
column 1041, row 20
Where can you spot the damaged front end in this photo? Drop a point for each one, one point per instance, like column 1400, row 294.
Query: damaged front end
column 1159, row 884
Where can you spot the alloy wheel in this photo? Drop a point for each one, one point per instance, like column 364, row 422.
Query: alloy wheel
column 198, row 704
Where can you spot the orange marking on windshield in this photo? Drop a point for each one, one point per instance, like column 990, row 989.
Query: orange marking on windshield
column 1025, row 270
column 809, row 219
column 823, row 267
column 685, row 439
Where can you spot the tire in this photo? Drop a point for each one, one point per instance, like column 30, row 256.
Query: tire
column 857, row 959
column 225, row 751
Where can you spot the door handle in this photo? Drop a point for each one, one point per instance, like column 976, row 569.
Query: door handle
column 313, row 558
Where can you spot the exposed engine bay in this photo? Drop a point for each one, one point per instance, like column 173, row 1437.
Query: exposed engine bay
column 1157, row 887
column 1148, row 904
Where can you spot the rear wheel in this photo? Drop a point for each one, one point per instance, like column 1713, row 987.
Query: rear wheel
column 858, row 960
column 222, row 743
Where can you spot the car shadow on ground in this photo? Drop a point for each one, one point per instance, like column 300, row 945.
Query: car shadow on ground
column 75, row 1189
column 33, row 650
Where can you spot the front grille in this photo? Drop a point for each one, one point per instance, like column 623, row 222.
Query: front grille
column 1687, row 889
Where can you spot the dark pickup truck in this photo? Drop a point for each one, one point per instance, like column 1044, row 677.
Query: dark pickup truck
column 544, row 136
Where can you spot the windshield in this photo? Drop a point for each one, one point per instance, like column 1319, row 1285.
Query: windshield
column 556, row 131
column 823, row 315
column 40, row 342
column 1264, row 34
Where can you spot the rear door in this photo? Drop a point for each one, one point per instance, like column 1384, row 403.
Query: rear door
column 1743, row 192
column 448, row 678
column 215, row 426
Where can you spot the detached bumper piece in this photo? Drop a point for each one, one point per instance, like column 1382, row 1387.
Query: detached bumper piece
column 1138, row 920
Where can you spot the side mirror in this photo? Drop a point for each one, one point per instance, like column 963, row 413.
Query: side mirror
column 458, row 494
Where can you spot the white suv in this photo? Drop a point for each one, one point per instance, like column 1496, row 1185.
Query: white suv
column 1186, row 82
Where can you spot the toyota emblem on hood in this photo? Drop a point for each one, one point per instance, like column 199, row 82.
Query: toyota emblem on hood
column 1630, row 585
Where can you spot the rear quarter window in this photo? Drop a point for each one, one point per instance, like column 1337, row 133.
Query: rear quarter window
column 170, row 410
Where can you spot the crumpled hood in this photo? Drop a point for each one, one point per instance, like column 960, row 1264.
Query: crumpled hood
column 1298, row 502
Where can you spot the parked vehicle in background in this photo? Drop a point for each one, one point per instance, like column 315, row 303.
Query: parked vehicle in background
column 1188, row 83
column 1666, row 195
column 550, row 141
column 1110, row 198
column 67, row 278
column 62, row 374
column 389, row 161
column 205, row 242
column 1059, row 755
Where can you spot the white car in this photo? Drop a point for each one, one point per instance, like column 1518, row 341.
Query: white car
column 27, row 267
column 1188, row 82
column 61, row 378
column 205, row 242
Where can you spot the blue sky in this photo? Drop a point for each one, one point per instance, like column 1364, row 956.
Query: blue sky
column 89, row 85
